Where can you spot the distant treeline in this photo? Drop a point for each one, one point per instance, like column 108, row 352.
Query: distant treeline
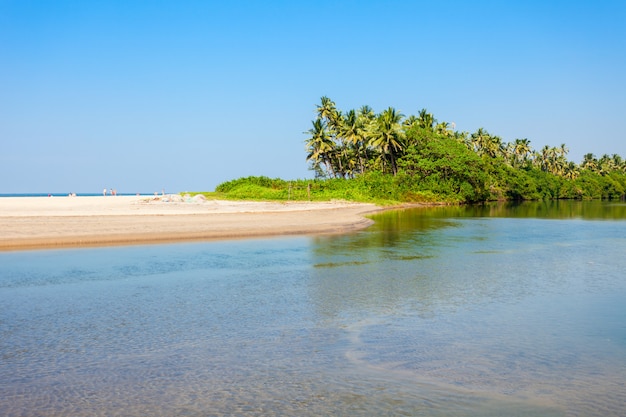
column 386, row 157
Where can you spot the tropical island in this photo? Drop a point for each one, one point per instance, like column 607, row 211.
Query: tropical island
column 387, row 158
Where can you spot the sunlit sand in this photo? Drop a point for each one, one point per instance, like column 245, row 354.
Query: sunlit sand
column 48, row 222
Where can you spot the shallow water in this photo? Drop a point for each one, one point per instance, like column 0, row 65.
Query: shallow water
column 495, row 310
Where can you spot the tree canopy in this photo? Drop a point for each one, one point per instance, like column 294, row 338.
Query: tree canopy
column 425, row 157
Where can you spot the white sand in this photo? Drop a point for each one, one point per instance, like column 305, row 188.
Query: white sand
column 45, row 222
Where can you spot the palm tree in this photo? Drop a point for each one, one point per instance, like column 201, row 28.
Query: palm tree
column 426, row 120
column 478, row 141
column 521, row 151
column 366, row 113
column 326, row 109
column 552, row 160
column 319, row 146
column 350, row 128
column 619, row 162
column 495, row 147
column 589, row 162
column 410, row 121
column 545, row 158
column 387, row 136
column 605, row 164
column 443, row 129
column 571, row 171
column 353, row 131
column 563, row 150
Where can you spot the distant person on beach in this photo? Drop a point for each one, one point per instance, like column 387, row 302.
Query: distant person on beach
column 104, row 192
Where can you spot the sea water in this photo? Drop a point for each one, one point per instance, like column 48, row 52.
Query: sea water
column 514, row 310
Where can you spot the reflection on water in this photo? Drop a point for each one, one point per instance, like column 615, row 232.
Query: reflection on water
column 490, row 310
column 550, row 209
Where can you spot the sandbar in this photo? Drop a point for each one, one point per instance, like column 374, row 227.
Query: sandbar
column 60, row 222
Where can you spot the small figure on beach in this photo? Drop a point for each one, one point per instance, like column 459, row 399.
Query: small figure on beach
column 104, row 192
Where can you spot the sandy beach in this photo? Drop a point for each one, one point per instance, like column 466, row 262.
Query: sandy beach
column 57, row 222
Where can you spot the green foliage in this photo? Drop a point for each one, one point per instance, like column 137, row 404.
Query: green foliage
column 592, row 185
column 262, row 182
column 385, row 158
column 441, row 166
column 373, row 187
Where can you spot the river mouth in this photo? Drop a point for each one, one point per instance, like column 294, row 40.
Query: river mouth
column 421, row 313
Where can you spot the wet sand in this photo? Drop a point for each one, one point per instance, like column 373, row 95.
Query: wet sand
column 57, row 222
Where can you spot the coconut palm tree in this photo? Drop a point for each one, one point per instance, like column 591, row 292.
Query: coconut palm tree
column 571, row 171
column 443, row 129
column 426, row 120
column 353, row 131
column 521, row 152
column 619, row 162
column 545, row 158
column 387, row 136
column 495, row 147
column 366, row 113
column 326, row 109
column 328, row 112
column 589, row 162
column 605, row 164
column 410, row 121
column 478, row 141
column 319, row 146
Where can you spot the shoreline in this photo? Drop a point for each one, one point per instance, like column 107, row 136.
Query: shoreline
column 28, row 223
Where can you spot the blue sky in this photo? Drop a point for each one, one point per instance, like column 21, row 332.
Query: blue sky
column 183, row 95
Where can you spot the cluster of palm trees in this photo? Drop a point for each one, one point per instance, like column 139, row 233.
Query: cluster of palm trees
column 605, row 165
column 343, row 145
column 520, row 154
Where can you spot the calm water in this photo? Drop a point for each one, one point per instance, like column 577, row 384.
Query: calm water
column 496, row 310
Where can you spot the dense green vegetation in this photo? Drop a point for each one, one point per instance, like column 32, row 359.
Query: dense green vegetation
column 387, row 157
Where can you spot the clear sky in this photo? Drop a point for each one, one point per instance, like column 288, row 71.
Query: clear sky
column 183, row 95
